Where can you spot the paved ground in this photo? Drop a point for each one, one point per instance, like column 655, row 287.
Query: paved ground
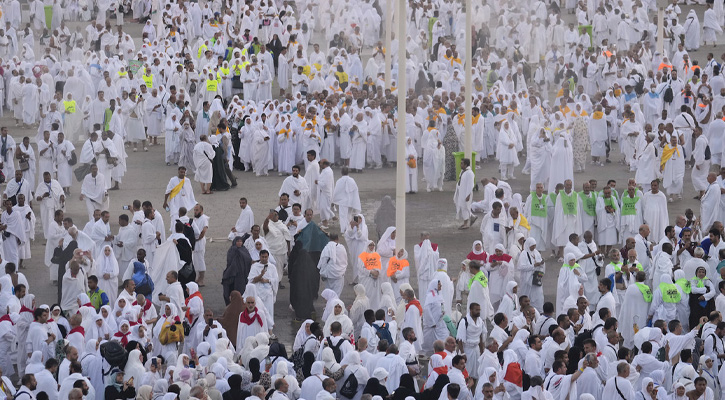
column 147, row 177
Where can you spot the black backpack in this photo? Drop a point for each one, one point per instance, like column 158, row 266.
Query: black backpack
column 669, row 95
column 585, row 335
column 349, row 387
column 298, row 357
column 336, row 348
column 383, row 332
column 114, row 354
column 708, row 153
column 639, row 87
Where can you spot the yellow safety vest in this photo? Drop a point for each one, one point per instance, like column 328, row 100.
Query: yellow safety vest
column 211, row 85
column 70, row 106
column 148, row 80
column 341, row 77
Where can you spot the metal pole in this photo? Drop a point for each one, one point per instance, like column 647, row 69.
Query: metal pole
column 468, row 143
column 661, row 30
column 388, row 39
column 402, row 138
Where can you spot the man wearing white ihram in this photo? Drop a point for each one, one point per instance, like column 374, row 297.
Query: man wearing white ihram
column 347, row 198
column 13, row 227
column 333, row 264
column 179, row 193
column 203, row 156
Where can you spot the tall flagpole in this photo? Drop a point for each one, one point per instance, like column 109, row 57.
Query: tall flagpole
column 467, row 142
column 402, row 162
column 388, row 39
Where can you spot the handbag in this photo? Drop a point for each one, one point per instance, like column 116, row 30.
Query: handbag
column 23, row 164
column 73, row 159
column 537, row 278
column 237, row 82
column 82, row 171
column 187, row 273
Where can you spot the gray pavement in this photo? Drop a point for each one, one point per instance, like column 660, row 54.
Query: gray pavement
column 148, row 175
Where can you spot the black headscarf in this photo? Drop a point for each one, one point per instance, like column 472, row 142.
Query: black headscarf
column 276, row 350
column 235, row 391
column 254, row 369
column 375, row 388
column 406, row 388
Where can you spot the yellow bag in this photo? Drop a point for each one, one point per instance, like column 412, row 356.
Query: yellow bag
column 412, row 163
column 171, row 333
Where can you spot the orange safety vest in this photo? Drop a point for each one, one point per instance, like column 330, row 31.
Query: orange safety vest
column 395, row 265
column 371, row 261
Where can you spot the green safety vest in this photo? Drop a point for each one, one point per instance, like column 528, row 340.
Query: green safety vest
column 700, row 282
column 610, row 202
column 629, row 205
column 685, row 285
column 481, row 278
column 638, row 266
column 96, row 298
column 211, row 85
column 538, row 206
column 589, row 203
column 646, row 291
column 571, row 267
column 107, row 118
column 670, row 294
column 148, row 80
column 70, row 106
column 617, row 266
column 569, row 202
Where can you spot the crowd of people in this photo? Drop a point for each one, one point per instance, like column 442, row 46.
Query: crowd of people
column 299, row 87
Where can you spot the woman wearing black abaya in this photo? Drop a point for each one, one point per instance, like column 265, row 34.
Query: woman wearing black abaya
column 239, row 263
column 219, row 175
column 435, row 392
column 373, row 387
column 406, row 388
column 275, row 47
column 235, row 391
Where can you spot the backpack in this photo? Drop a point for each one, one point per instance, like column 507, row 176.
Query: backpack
column 146, row 286
column 669, row 95
column 298, row 357
column 114, row 354
column 171, row 333
column 349, row 387
column 639, row 87
column 336, row 348
column 708, row 153
column 585, row 335
column 383, row 332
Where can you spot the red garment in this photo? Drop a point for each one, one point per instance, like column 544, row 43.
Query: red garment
column 416, row 303
column 124, row 337
column 478, row 257
column 6, row 317
column 432, row 245
column 514, row 374
column 188, row 313
column 503, row 257
column 78, row 329
column 25, row 309
column 245, row 318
